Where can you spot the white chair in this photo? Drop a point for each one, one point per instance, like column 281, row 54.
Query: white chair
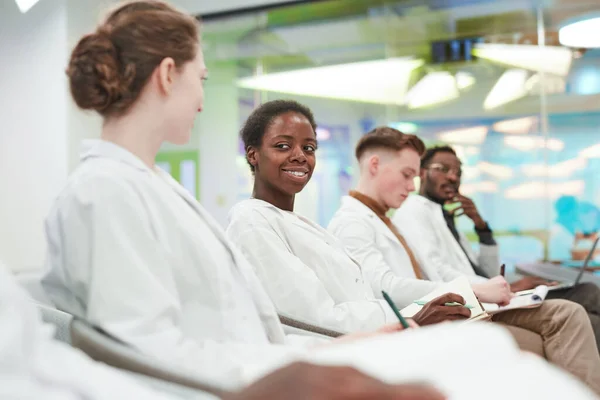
column 61, row 321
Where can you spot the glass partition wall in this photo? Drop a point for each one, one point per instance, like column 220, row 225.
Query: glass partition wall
column 489, row 78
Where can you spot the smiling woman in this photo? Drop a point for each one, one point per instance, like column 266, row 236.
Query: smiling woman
column 306, row 271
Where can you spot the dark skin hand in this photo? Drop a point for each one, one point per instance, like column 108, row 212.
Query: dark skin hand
column 529, row 282
column 301, row 381
column 469, row 209
column 435, row 311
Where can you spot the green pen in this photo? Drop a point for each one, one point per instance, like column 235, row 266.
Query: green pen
column 395, row 310
column 453, row 304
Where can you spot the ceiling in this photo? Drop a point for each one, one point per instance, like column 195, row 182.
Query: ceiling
column 345, row 31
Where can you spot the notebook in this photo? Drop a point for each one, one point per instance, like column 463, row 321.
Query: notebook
column 460, row 286
column 524, row 299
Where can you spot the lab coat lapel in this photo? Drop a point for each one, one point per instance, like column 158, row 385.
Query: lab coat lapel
column 263, row 303
column 356, row 206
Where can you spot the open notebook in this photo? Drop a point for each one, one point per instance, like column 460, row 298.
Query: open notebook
column 479, row 311
column 460, row 286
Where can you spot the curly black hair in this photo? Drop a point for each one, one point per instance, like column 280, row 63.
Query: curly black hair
column 258, row 122
column 432, row 151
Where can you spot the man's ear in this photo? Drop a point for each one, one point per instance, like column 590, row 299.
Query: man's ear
column 373, row 164
column 252, row 156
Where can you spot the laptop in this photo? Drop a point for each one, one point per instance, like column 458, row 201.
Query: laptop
column 588, row 258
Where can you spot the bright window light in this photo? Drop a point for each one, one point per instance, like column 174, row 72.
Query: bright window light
column 323, row 134
column 434, row 88
column 473, row 135
column 528, row 143
column 582, row 33
column 518, row 126
column 510, row 87
column 469, row 173
column 591, row 151
column 404, row 127
column 551, row 59
column 539, row 190
column 560, row 170
column 25, row 5
column 470, row 189
column 495, row 170
column 379, row 82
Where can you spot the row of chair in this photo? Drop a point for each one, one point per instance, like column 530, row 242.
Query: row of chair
column 103, row 347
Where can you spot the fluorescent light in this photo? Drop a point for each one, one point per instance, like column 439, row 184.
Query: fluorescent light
column 510, row 87
column 551, row 59
column 473, row 135
column 560, row 170
column 539, row 190
column 404, row 127
column 518, row 126
column 581, row 33
column 25, row 5
column 464, row 80
column 528, row 143
column 495, row 170
column 380, row 82
column 434, row 88
column 552, row 84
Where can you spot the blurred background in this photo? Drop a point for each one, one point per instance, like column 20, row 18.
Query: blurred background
column 512, row 85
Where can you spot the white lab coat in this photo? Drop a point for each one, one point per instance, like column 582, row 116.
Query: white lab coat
column 305, row 270
column 34, row 366
column 385, row 263
column 132, row 251
column 421, row 222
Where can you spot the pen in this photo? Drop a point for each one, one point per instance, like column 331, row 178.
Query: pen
column 502, row 269
column 395, row 310
column 453, row 304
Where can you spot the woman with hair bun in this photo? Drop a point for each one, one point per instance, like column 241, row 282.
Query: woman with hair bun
column 131, row 251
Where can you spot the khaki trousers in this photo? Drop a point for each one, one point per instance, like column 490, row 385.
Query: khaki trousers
column 560, row 331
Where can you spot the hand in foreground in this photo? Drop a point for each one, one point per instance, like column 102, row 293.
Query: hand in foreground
column 300, row 381
column 495, row 290
column 436, row 311
column 530, row 282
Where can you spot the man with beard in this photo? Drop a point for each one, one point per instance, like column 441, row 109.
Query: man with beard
column 445, row 254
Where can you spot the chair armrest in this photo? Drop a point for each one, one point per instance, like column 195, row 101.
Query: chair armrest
column 305, row 326
column 103, row 347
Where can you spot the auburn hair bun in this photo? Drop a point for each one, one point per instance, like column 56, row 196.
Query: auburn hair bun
column 98, row 81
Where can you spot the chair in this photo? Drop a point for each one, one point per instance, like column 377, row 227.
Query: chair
column 61, row 321
column 101, row 346
column 295, row 326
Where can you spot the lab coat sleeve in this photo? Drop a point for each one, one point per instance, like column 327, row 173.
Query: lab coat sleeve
column 359, row 238
column 296, row 290
column 110, row 248
column 419, row 233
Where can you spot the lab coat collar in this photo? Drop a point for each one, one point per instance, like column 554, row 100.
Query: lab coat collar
column 353, row 205
column 105, row 149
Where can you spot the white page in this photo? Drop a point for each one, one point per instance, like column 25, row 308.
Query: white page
column 460, row 286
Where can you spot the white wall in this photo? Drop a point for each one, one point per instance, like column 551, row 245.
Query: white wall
column 33, row 126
